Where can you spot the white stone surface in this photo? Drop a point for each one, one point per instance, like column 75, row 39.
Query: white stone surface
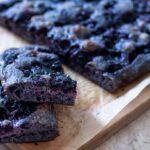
column 136, row 136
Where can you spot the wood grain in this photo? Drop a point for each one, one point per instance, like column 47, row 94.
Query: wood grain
column 97, row 113
column 128, row 114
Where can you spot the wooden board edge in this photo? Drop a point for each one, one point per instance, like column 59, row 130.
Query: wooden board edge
column 13, row 147
column 127, row 115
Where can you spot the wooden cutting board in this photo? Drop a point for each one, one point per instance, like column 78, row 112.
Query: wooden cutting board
column 96, row 115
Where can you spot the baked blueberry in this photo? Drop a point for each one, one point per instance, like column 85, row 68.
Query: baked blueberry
column 25, row 9
column 4, row 4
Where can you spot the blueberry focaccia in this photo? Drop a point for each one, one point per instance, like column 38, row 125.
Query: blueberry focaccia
column 107, row 41
column 26, row 122
column 34, row 74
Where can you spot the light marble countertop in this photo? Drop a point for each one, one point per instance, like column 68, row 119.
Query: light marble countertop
column 135, row 136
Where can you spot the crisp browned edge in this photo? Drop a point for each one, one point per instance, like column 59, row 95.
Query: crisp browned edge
column 128, row 114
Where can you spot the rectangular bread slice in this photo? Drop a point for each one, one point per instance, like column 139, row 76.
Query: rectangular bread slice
column 107, row 41
column 34, row 74
column 26, row 122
